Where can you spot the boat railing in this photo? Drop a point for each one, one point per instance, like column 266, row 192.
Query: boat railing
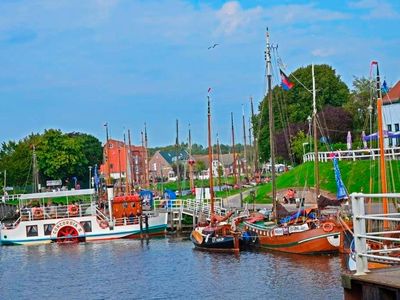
column 127, row 221
column 56, row 212
column 390, row 153
column 376, row 236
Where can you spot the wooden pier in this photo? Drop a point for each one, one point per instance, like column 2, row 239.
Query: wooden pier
column 378, row 284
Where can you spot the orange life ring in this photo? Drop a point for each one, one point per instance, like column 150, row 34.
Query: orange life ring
column 328, row 227
column 104, row 224
column 73, row 210
column 38, row 213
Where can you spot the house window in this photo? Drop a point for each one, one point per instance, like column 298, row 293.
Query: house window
column 389, row 127
column 110, row 146
column 47, row 228
column 87, row 226
column 31, row 230
column 396, row 128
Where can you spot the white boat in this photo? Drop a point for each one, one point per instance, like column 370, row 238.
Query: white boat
column 83, row 222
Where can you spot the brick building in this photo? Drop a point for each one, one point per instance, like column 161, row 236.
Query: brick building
column 117, row 158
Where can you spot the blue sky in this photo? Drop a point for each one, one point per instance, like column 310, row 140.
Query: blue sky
column 74, row 65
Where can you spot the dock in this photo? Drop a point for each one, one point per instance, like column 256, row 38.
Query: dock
column 376, row 269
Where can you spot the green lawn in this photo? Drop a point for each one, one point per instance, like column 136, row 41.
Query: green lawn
column 357, row 177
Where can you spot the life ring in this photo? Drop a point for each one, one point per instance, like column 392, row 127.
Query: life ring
column 38, row 213
column 73, row 210
column 328, row 227
column 104, row 224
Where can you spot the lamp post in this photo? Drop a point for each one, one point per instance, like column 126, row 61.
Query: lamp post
column 309, row 130
column 304, row 149
column 90, row 177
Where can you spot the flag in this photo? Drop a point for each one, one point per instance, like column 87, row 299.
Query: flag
column 209, row 90
column 286, row 84
column 385, row 88
column 96, row 178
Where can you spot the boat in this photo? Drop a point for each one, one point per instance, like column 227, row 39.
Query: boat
column 41, row 221
column 305, row 232
column 217, row 235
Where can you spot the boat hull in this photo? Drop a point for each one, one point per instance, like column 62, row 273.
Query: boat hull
column 315, row 240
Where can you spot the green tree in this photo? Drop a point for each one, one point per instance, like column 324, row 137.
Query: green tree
column 295, row 105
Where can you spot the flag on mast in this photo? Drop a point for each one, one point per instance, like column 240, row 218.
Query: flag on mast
column 286, row 84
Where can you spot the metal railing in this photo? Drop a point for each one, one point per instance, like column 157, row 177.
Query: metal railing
column 192, row 206
column 391, row 153
column 378, row 242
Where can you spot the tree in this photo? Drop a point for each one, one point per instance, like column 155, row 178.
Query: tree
column 359, row 102
column 295, row 105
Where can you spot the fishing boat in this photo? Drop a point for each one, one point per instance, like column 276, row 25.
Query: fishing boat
column 305, row 232
column 218, row 235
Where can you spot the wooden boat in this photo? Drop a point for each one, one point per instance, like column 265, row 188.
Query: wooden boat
column 307, row 234
column 217, row 235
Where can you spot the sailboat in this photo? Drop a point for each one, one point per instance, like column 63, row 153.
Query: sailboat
column 218, row 235
column 305, row 232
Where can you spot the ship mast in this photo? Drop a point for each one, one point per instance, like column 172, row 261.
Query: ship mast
column 146, row 157
column 316, row 164
column 245, row 144
column 271, row 124
column 219, row 162
column 255, row 143
column 210, row 159
column 190, row 161
column 381, row 145
column 178, row 174
column 234, row 151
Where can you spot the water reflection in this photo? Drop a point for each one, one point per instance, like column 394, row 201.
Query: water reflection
column 162, row 269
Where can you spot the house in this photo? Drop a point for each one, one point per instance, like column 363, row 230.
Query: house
column 116, row 159
column 391, row 114
column 161, row 164
column 225, row 160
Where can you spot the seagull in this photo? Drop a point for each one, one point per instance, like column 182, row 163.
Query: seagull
column 213, row 46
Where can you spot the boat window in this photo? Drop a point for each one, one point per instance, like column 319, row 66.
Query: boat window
column 31, row 230
column 87, row 226
column 125, row 204
column 47, row 228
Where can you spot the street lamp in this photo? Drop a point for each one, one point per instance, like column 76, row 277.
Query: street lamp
column 90, row 177
column 309, row 130
column 304, row 148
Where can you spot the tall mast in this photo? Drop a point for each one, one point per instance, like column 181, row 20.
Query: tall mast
column 130, row 160
column 219, row 161
column 245, row 144
column 381, row 146
column 210, row 159
column 271, row 123
column 127, row 167
column 144, row 161
column 108, row 179
column 178, row 174
column 255, row 142
column 35, row 173
column 316, row 167
column 146, row 157
column 233, row 151
column 190, row 161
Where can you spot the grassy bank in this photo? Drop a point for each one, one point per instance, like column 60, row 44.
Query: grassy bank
column 358, row 176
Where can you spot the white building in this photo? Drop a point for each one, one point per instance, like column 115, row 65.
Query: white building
column 391, row 114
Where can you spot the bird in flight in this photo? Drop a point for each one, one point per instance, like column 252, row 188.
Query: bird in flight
column 213, row 46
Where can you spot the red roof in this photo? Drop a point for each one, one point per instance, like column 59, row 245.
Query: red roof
column 393, row 95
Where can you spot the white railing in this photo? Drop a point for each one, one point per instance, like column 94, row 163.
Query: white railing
column 391, row 153
column 57, row 212
column 386, row 239
column 191, row 206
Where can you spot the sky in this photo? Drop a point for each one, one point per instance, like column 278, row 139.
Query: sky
column 75, row 65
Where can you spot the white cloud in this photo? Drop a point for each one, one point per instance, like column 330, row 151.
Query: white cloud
column 232, row 17
column 292, row 14
column 323, row 52
column 376, row 9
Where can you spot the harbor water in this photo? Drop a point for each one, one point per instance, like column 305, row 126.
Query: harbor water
column 165, row 268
